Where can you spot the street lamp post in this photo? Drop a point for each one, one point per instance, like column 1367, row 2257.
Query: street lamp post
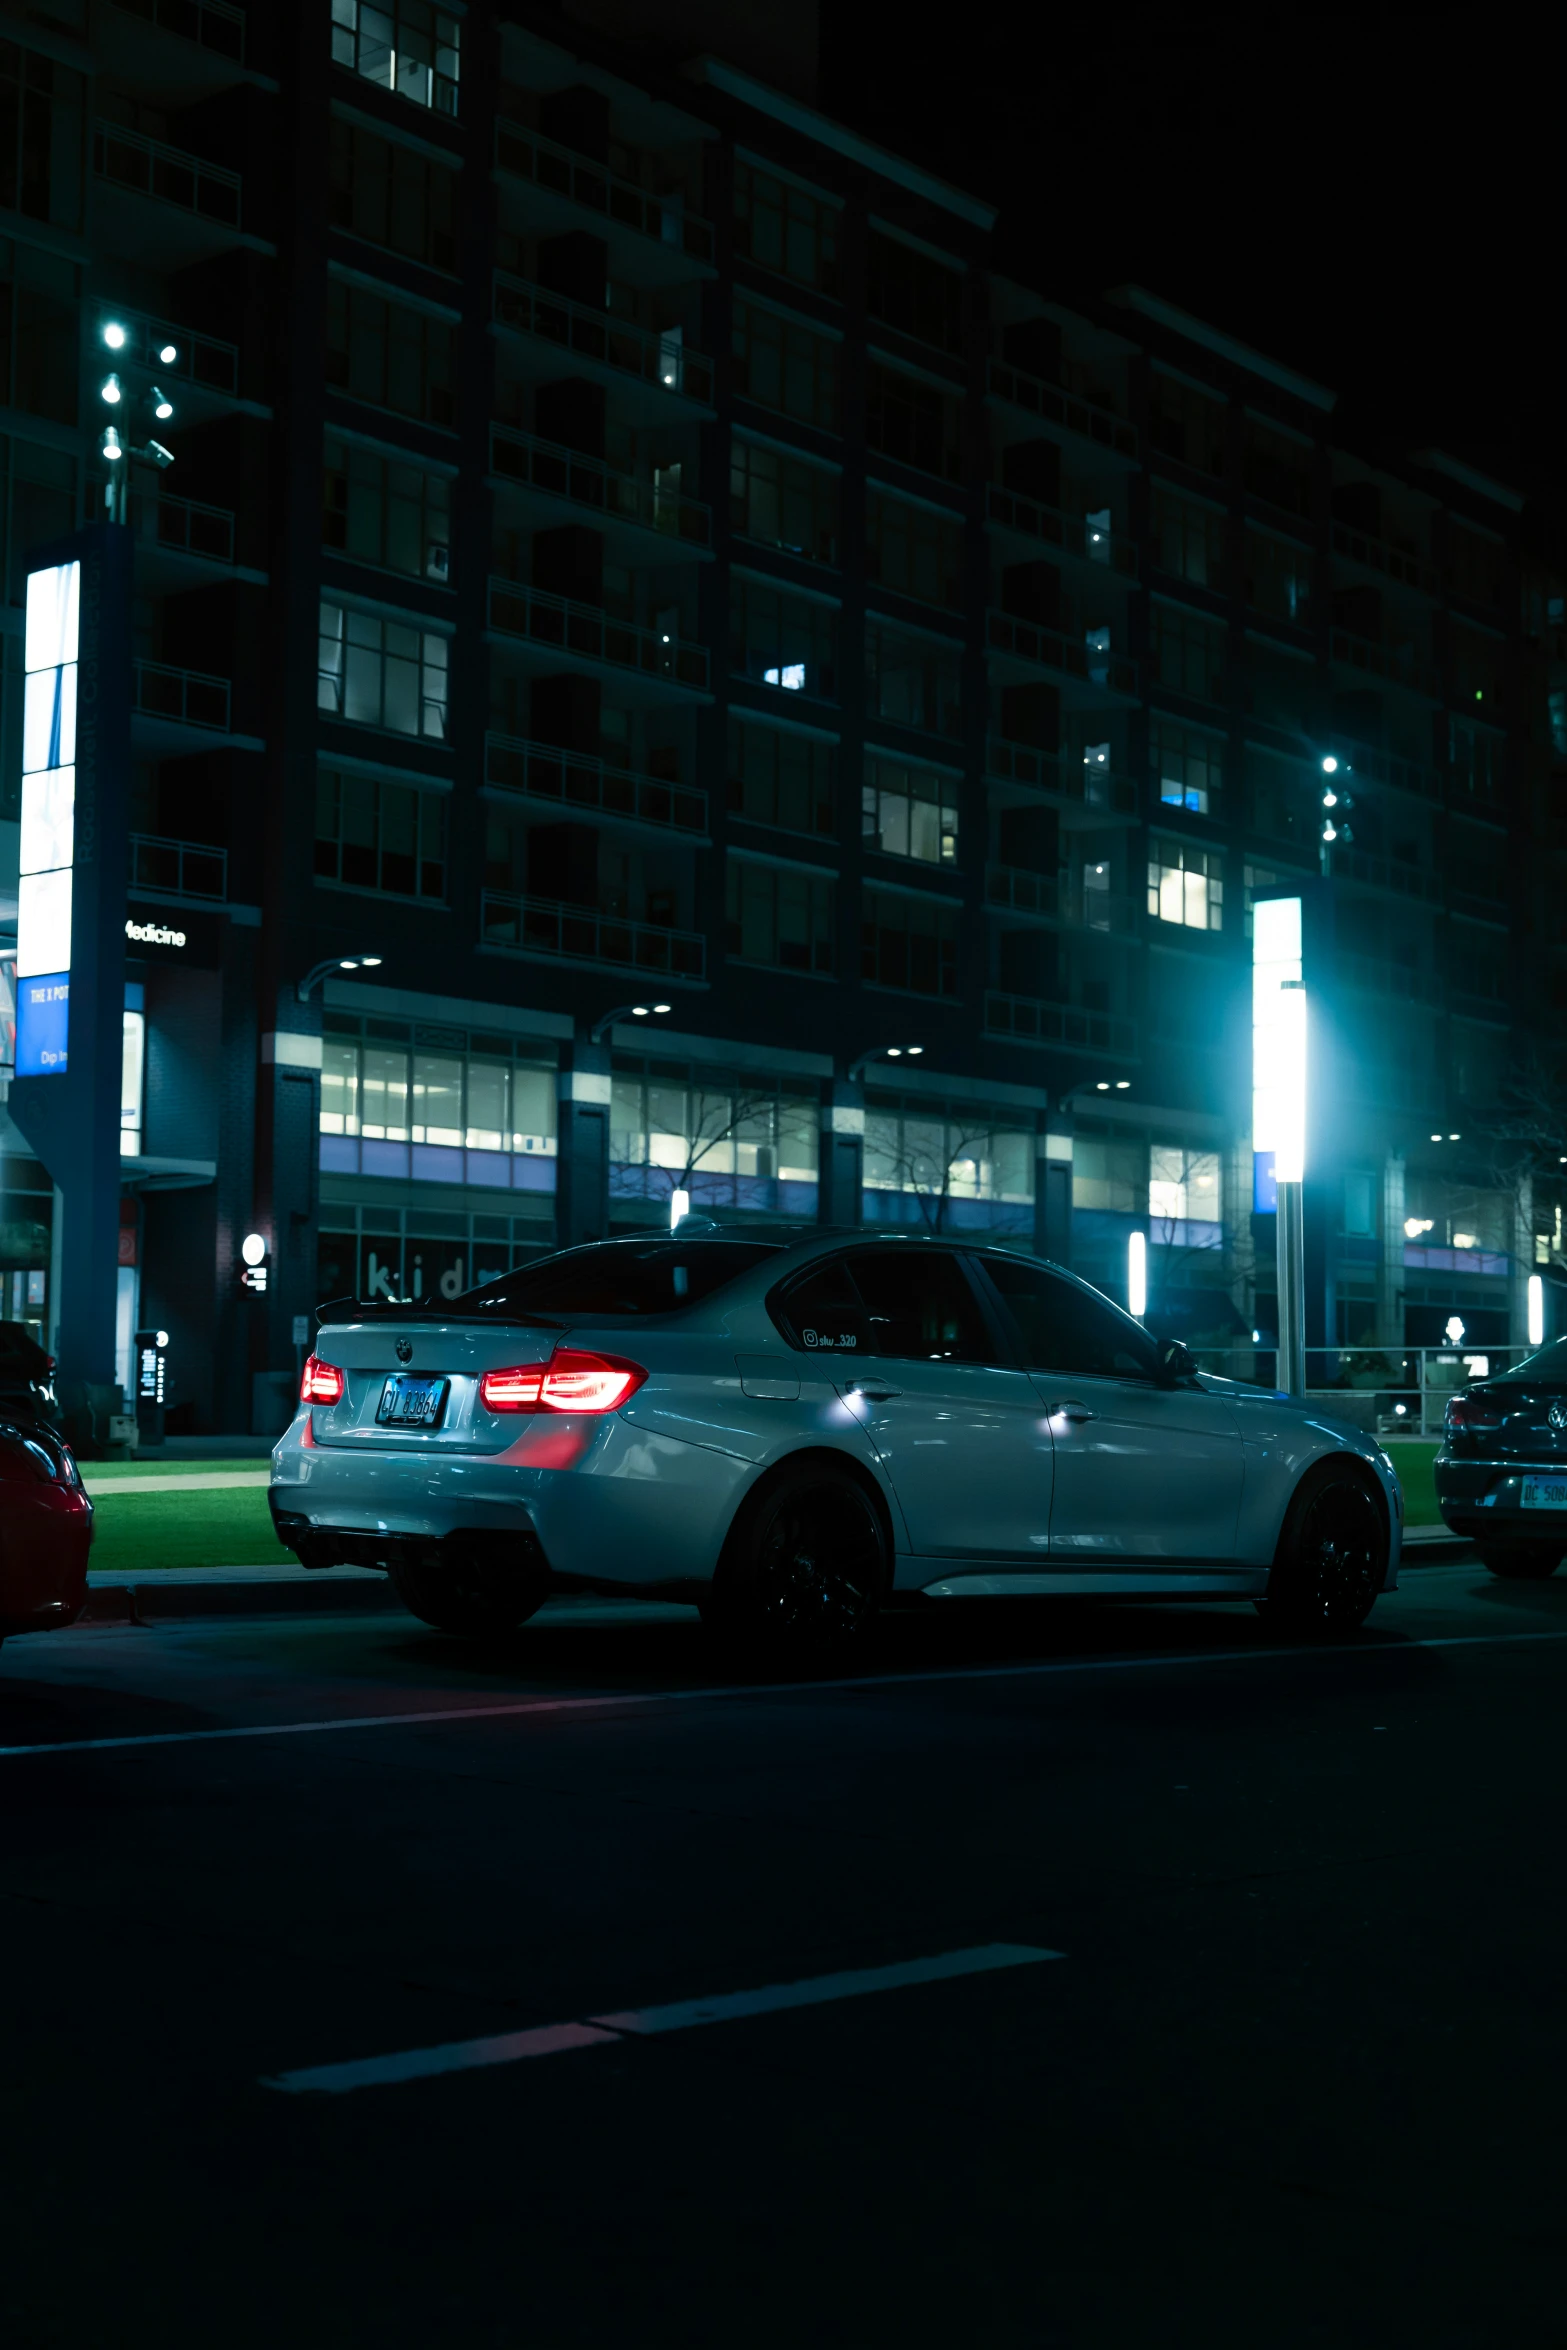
column 323, row 970
column 124, row 395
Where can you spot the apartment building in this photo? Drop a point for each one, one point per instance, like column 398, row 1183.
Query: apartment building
column 795, row 719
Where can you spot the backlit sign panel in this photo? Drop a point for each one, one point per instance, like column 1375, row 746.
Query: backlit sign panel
column 48, row 828
column 1278, row 1032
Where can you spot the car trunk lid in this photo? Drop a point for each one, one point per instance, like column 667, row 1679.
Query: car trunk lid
column 411, row 1381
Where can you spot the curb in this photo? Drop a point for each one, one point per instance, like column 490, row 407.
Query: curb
column 161, row 1603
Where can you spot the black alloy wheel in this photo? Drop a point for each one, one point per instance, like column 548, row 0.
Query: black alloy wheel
column 1522, row 1562
column 1332, row 1555
column 457, row 1591
column 805, row 1568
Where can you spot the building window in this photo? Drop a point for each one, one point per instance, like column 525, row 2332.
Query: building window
column 1183, row 1187
column 402, row 45
column 1474, row 565
column 909, row 811
column 1189, row 767
column 915, row 293
column 382, row 512
column 42, row 111
column 718, row 1136
column 372, row 834
column 778, row 916
column 936, row 1157
column 382, row 673
column 784, row 229
column 909, row 942
column 1188, row 539
column 388, row 355
column 1278, row 467
column 915, row 550
column 780, row 778
column 913, row 421
column 1110, row 1173
column 1476, row 757
column 1186, row 424
column 1278, row 577
column 1188, row 653
column 480, row 1098
column 37, row 503
column 913, row 680
column 1186, row 885
column 391, row 196
column 782, row 640
column 39, row 335
column 782, row 502
column 781, row 363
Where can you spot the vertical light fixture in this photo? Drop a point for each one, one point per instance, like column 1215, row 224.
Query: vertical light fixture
column 679, row 1205
column 1536, row 1310
column 1278, row 1108
column 1137, row 1275
column 48, row 828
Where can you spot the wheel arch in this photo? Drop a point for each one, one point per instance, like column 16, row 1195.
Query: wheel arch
column 806, row 1456
column 1315, row 1472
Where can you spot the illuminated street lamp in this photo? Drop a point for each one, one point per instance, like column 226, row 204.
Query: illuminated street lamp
column 1336, row 804
column 601, row 1028
column 319, row 971
column 886, row 1052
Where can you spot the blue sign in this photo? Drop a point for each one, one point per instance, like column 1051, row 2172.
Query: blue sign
column 1264, row 1184
column 42, row 1015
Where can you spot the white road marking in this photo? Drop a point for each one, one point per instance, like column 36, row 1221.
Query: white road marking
column 681, row 2015
column 627, row 1700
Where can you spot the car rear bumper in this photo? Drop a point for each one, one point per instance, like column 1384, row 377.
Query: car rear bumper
column 1485, row 1499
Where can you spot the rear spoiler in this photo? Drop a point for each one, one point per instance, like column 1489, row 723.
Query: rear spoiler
column 381, row 1309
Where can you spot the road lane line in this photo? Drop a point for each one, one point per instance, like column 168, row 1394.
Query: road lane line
column 625, row 1701
column 681, row 2015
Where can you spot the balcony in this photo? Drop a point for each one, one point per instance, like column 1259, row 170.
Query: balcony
column 1074, row 534
column 211, row 24
column 1026, row 1020
column 1063, row 656
column 1058, row 900
column 183, row 696
column 1389, row 875
column 578, row 181
column 576, row 782
column 611, row 348
column 178, row 869
column 1052, row 404
column 184, row 526
column 1479, row 796
column 565, row 474
column 196, row 205
column 1480, row 905
column 1398, row 564
column 1063, row 778
column 580, row 934
column 587, row 637
column 1394, row 663
column 1379, row 975
column 1398, row 774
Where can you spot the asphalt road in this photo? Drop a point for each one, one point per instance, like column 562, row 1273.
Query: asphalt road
column 1296, row 2077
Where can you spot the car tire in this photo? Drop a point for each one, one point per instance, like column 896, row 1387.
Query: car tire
column 477, row 1598
column 1332, row 1555
column 804, row 1570
column 1524, row 1562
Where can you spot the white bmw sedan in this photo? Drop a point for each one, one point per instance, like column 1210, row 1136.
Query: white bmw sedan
column 791, row 1428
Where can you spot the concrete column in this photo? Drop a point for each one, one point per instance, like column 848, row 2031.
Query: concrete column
column 1390, row 1258
column 582, row 1161
column 1053, row 1187
column 842, row 1171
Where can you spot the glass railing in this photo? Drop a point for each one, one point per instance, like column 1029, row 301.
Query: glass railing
column 1395, row 563
column 593, row 634
column 211, row 24
column 662, row 218
column 664, row 359
column 1051, row 897
column 1029, row 1020
column 1047, row 648
column 1062, row 775
column 575, row 779
column 185, row 695
column 580, row 934
column 1055, row 405
column 1398, row 664
column 184, row 526
column 1074, row 534
column 178, row 868
column 588, row 481
column 128, row 159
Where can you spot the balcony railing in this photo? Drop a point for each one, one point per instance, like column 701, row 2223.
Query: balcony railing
column 198, row 359
column 1386, row 873
column 128, row 159
column 1475, row 795
column 580, row 934
column 592, row 634
column 1074, row 534
column 1479, row 905
column 1395, row 563
column 1384, row 767
column 1065, row 778
column 179, row 868
column 574, row 779
column 584, row 182
column 181, row 694
column 592, row 334
column 1083, row 417
column 1026, row 1020
column 1051, row 897
column 211, row 24
column 1380, row 975
column 1047, row 648
column 184, row 526
column 588, row 481
column 1393, row 662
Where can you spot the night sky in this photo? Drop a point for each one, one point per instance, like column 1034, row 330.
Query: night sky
column 1370, row 198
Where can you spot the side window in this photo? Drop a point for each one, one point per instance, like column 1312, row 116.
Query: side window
column 822, row 1312
column 920, row 1306
column 1067, row 1328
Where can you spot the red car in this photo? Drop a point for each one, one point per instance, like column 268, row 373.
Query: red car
column 45, row 1530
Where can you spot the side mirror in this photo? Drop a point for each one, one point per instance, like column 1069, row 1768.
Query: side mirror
column 1175, row 1360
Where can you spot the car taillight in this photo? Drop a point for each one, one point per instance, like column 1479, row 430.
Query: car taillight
column 573, row 1380
column 322, row 1383
column 1472, row 1414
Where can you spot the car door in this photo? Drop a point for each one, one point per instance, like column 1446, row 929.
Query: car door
column 959, row 1430
column 1146, row 1469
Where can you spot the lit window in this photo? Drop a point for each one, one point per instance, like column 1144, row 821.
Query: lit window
column 1183, row 1186
column 404, row 45
column 1186, row 886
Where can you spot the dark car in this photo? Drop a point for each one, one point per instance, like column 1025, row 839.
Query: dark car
column 1501, row 1475
column 45, row 1530
column 26, row 1376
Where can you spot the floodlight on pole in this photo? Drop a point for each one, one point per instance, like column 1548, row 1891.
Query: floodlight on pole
column 109, row 391
column 167, row 355
column 114, row 335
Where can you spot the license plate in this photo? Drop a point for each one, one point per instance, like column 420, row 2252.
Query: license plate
column 1545, row 1493
column 411, row 1403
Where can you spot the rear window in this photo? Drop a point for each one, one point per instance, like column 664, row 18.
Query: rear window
column 620, row 1277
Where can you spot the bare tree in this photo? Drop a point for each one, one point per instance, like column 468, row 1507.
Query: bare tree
column 927, row 1156
column 716, row 1115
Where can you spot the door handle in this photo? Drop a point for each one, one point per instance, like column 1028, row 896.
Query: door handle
column 871, row 1394
column 1071, row 1410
